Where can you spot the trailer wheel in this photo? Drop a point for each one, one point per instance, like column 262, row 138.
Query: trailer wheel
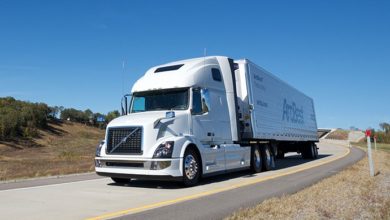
column 310, row 151
column 120, row 180
column 267, row 157
column 191, row 168
column 315, row 151
column 256, row 159
column 280, row 154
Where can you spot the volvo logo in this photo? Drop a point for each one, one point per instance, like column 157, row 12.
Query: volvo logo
column 124, row 140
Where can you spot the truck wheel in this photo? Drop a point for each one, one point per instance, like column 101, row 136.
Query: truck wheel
column 120, row 180
column 256, row 160
column 267, row 157
column 280, row 154
column 191, row 168
column 315, row 151
column 308, row 152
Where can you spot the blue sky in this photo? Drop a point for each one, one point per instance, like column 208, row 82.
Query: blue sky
column 70, row 53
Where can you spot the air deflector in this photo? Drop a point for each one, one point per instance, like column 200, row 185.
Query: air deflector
column 168, row 68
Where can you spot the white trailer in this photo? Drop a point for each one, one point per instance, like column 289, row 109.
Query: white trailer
column 205, row 116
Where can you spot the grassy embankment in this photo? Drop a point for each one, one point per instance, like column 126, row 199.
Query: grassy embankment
column 379, row 146
column 350, row 194
column 338, row 135
column 63, row 148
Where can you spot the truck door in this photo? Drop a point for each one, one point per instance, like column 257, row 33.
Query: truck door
column 203, row 129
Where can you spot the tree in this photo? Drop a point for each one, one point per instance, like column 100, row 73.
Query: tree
column 54, row 111
column 385, row 127
column 89, row 115
column 21, row 119
column 74, row 115
column 111, row 115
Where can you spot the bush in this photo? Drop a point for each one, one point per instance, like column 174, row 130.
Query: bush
column 24, row 119
column 75, row 115
column 21, row 119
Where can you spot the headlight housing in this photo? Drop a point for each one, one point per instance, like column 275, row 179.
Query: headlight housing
column 99, row 148
column 164, row 150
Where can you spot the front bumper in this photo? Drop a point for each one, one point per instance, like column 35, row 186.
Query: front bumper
column 138, row 167
column 142, row 177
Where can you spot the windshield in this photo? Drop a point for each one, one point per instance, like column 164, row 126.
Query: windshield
column 159, row 100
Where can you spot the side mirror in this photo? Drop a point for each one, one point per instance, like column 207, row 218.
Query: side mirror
column 168, row 115
column 124, row 105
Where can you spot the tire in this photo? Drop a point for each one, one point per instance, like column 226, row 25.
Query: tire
column 120, row 180
column 191, row 168
column 267, row 157
column 280, row 154
column 315, row 151
column 256, row 159
column 309, row 151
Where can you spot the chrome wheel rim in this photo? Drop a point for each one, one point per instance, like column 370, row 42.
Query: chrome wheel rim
column 190, row 167
column 257, row 158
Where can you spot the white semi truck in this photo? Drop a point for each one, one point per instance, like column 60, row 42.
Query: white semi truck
column 194, row 118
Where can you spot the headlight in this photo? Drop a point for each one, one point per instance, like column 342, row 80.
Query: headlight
column 99, row 148
column 164, row 150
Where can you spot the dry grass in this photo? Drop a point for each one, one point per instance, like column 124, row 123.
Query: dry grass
column 338, row 135
column 350, row 194
column 63, row 149
column 380, row 146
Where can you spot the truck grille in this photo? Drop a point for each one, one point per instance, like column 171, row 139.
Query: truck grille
column 126, row 140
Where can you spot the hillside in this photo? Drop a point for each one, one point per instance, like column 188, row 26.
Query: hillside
column 340, row 134
column 62, row 148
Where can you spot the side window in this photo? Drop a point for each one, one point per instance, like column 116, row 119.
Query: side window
column 216, row 74
column 201, row 101
column 197, row 103
column 138, row 104
column 205, row 96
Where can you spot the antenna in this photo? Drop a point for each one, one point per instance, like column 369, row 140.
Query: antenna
column 123, row 76
column 204, row 58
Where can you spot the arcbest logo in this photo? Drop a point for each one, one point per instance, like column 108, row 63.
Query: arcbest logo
column 291, row 113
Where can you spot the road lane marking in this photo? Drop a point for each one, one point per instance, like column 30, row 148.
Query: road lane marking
column 48, row 185
column 214, row 191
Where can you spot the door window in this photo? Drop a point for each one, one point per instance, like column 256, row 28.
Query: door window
column 201, row 101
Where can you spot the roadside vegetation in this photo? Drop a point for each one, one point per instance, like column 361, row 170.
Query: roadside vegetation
column 65, row 148
column 350, row 194
column 40, row 140
column 22, row 120
column 338, row 134
column 380, row 146
column 382, row 138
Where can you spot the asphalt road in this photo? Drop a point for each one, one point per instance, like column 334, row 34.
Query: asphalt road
column 89, row 196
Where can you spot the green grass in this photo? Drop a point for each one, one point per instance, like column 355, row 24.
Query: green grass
column 380, row 146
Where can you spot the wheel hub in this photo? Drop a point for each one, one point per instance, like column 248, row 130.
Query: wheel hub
column 190, row 167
